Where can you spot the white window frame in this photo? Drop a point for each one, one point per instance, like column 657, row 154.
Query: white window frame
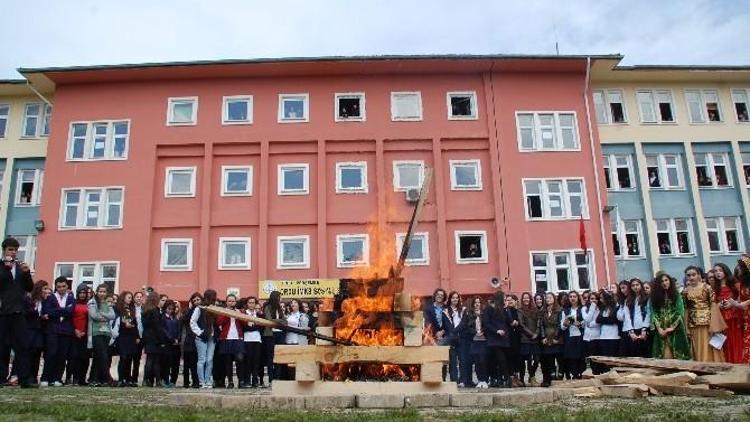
column 655, row 106
column 551, row 267
column 168, row 182
column 36, row 195
column 362, row 166
column 247, row 99
column 745, row 156
column 225, row 178
column 98, row 272
column 165, row 243
column 425, row 260
column 557, row 131
column 223, row 265
column 364, row 238
column 734, row 92
column 457, row 234
column 611, row 166
column 476, row 163
column 305, row 108
column 305, row 180
column 662, row 167
column 721, row 230
column 5, row 117
column 280, row 265
column 349, row 95
column 29, row 249
column 606, row 95
column 472, row 100
column 711, row 163
column 397, row 177
column 82, row 208
column 395, row 117
column 42, row 121
column 672, row 231
column 620, row 230
column 703, row 103
column 88, row 140
column 171, row 101
column 565, row 197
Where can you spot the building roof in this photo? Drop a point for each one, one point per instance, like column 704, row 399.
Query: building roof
column 670, row 73
column 13, row 87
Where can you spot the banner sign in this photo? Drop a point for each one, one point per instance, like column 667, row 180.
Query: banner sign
column 314, row 288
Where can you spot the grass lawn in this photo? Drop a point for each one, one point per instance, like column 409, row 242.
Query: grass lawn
column 106, row 404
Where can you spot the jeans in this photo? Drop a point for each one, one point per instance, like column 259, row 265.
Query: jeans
column 205, row 351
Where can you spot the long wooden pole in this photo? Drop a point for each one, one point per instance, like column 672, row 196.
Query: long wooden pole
column 424, row 190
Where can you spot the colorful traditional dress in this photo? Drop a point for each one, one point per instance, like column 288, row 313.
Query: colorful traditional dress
column 744, row 296
column 698, row 302
column 734, row 319
column 675, row 345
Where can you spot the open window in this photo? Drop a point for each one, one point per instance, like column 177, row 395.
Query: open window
column 462, row 105
column 741, row 104
column 350, row 107
column 28, row 188
column 471, row 247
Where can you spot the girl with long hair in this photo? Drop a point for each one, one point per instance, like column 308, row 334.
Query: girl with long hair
column 170, row 364
column 497, row 332
column 231, row 347
column 270, row 337
column 592, row 330
column 571, row 323
column 742, row 276
column 528, row 322
column 454, row 312
column 609, row 331
column 253, row 347
column 202, row 325
column 154, row 341
column 668, row 318
column 549, row 326
column 636, row 322
column 34, row 327
column 189, row 353
column 702, row 316
column 727, row 295
column 126, row 329
column 101, row 315
column 514, row 351
column 475, row 329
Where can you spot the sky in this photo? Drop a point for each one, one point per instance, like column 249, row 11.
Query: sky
column 40, row 33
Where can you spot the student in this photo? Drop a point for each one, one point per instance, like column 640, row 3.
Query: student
column 453, row 313
column 592, row 331
column 253, row 346
column 514, row 351
column 742, row 277
column 637, row 318
column 623, row 292
column 668, row 318
column 497, row 332
column 549, row 325
column 572, row 326
column 528, row 322
column 34, row 327
column 202, row 325
column 99, row 334
column 187, row 342
column 270, row 337
column 475, row 329
column 170, row 364
column 433, row 315
column 126, row 332
column 57, row 311
column 231, row 345
column 609, row 330
column 80, row 355
column 138, row 298
column 154, row 341
column 727, row 294
column 702, row 320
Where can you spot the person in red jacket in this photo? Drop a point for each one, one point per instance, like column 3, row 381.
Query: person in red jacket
column 231, row 344
column 80, row 354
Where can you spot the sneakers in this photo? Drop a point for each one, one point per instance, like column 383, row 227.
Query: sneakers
column 57, row 384
column 44, row 384
column 482, row 385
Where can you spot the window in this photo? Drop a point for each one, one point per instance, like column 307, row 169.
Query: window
column 294, row 108
column 293, row 252
column 293, row 179
column 553, row 271
column 408, row 175
column 234, row 253
column 406, row 106
column 610, row 107
column 703, row 105
column 555, row 199
column 182, row 111
column 236, row 180
column 352, row 250
column 89, row 273
column 179, row 182
column 627, row 238
column 466, row 175
column 674, row 236
column 107, row 140
column 462, row 105
column 711, row 169
column 741, row 104
column 2, row 178
column 29, row 187
column 471, row 247
column 618, row 172
column 655, row 106
column 4, row 113
column 547, row 131
column 238, row 109
column 177, row 254
column 746, row 167
column 91, row 208
column 36, row 120
column 351, row 177
column 664, row 171
column 724, row 235
column 419, row 250
column 26, row 250
column 350, row 107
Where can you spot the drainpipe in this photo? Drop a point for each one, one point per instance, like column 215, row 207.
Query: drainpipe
column 597, row 182
column 38, row 94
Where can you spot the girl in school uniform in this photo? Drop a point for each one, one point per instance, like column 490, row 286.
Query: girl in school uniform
column 475, row 329
column 126, row 332
column 572, row 325
column 454, row 312
column 528, row 322
column 609, row 334
column 171, row 357
column 636, row 322
column 154, row 341
column 549, row 325
column 34, row 326
column 253, row 347
column 231, row 345
column 497, row 331
column 592, row 329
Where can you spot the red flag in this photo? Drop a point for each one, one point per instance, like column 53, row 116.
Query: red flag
column 582, row 235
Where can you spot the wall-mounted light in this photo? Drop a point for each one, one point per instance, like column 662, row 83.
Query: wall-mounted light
column 39, row 225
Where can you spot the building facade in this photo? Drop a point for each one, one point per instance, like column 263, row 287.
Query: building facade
column 224, row 174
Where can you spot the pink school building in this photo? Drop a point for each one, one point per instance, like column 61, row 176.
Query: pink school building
column 187, row 176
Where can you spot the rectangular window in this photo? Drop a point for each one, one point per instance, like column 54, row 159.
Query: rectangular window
column 29, row 187
column 555, row 199
column 294, row 108
column 711, row 170
column 618, row 172
column 407, row 175
column 555, row 271
column 237, row 109
column 26, row 250
column 293, row 252
column 627, row 237
column 351, row 177
column 674, row 236
column 462, row 105
column 610, row 107
column 350, row 107
column 703, row 105
column 91, row 208
column 236, row 180
column 182, row 111
column 179, row 182
column 471, row 247
column 293, row 179
column 234, row 253
column 4, row 113
column 741, row 104
column 724, row 235
column 746, row 167
column 176, row 254
column 36, row 120
column 406, row 106
column 352, row 250
column 90, row 274
column 656, row 106
column 547, row 131
column 103, row 140
column 664, row 171
column 46, row 120
column 419, row 250
column 466, row 175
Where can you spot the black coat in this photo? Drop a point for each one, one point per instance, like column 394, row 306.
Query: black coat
column 154, row 334
column 188, row 336
column 511, row 314
column 13, row 290
column 431, row 320
column 34, row 325
column 494, row 320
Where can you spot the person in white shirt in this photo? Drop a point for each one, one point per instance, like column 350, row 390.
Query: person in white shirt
column 572, row 323
column 297, row 319
column 253, row 347
column 637, row 318
column 592, row 330
column 609, row 336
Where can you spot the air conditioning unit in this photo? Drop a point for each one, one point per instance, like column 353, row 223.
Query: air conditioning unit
column 412, row 195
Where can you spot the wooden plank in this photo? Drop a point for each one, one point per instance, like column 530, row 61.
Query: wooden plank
column 327, row 331
column 341, row 354
column 330, row 388
column 431, row 372
column 587, row 392
column 676, row 379
column 643, row 371
column 692, row 391
column 306, row 372
column 734, row 380
column 669, row 364
column 628, row 391
column 402, row 302
column 413, row 325
column 592, row 382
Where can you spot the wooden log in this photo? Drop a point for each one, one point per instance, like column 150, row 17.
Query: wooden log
column 402, row 302
column 431, row 372
column 326, row 331
column 673, row 365
column 329, row 388
column 735, row 380
column 306, row 372
column 413, row 326
column 677, row 379
column 587, row 392
column 591, row 382
column 643, row 371
column 628, row 391
column 341, row 354
column 692, row 391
